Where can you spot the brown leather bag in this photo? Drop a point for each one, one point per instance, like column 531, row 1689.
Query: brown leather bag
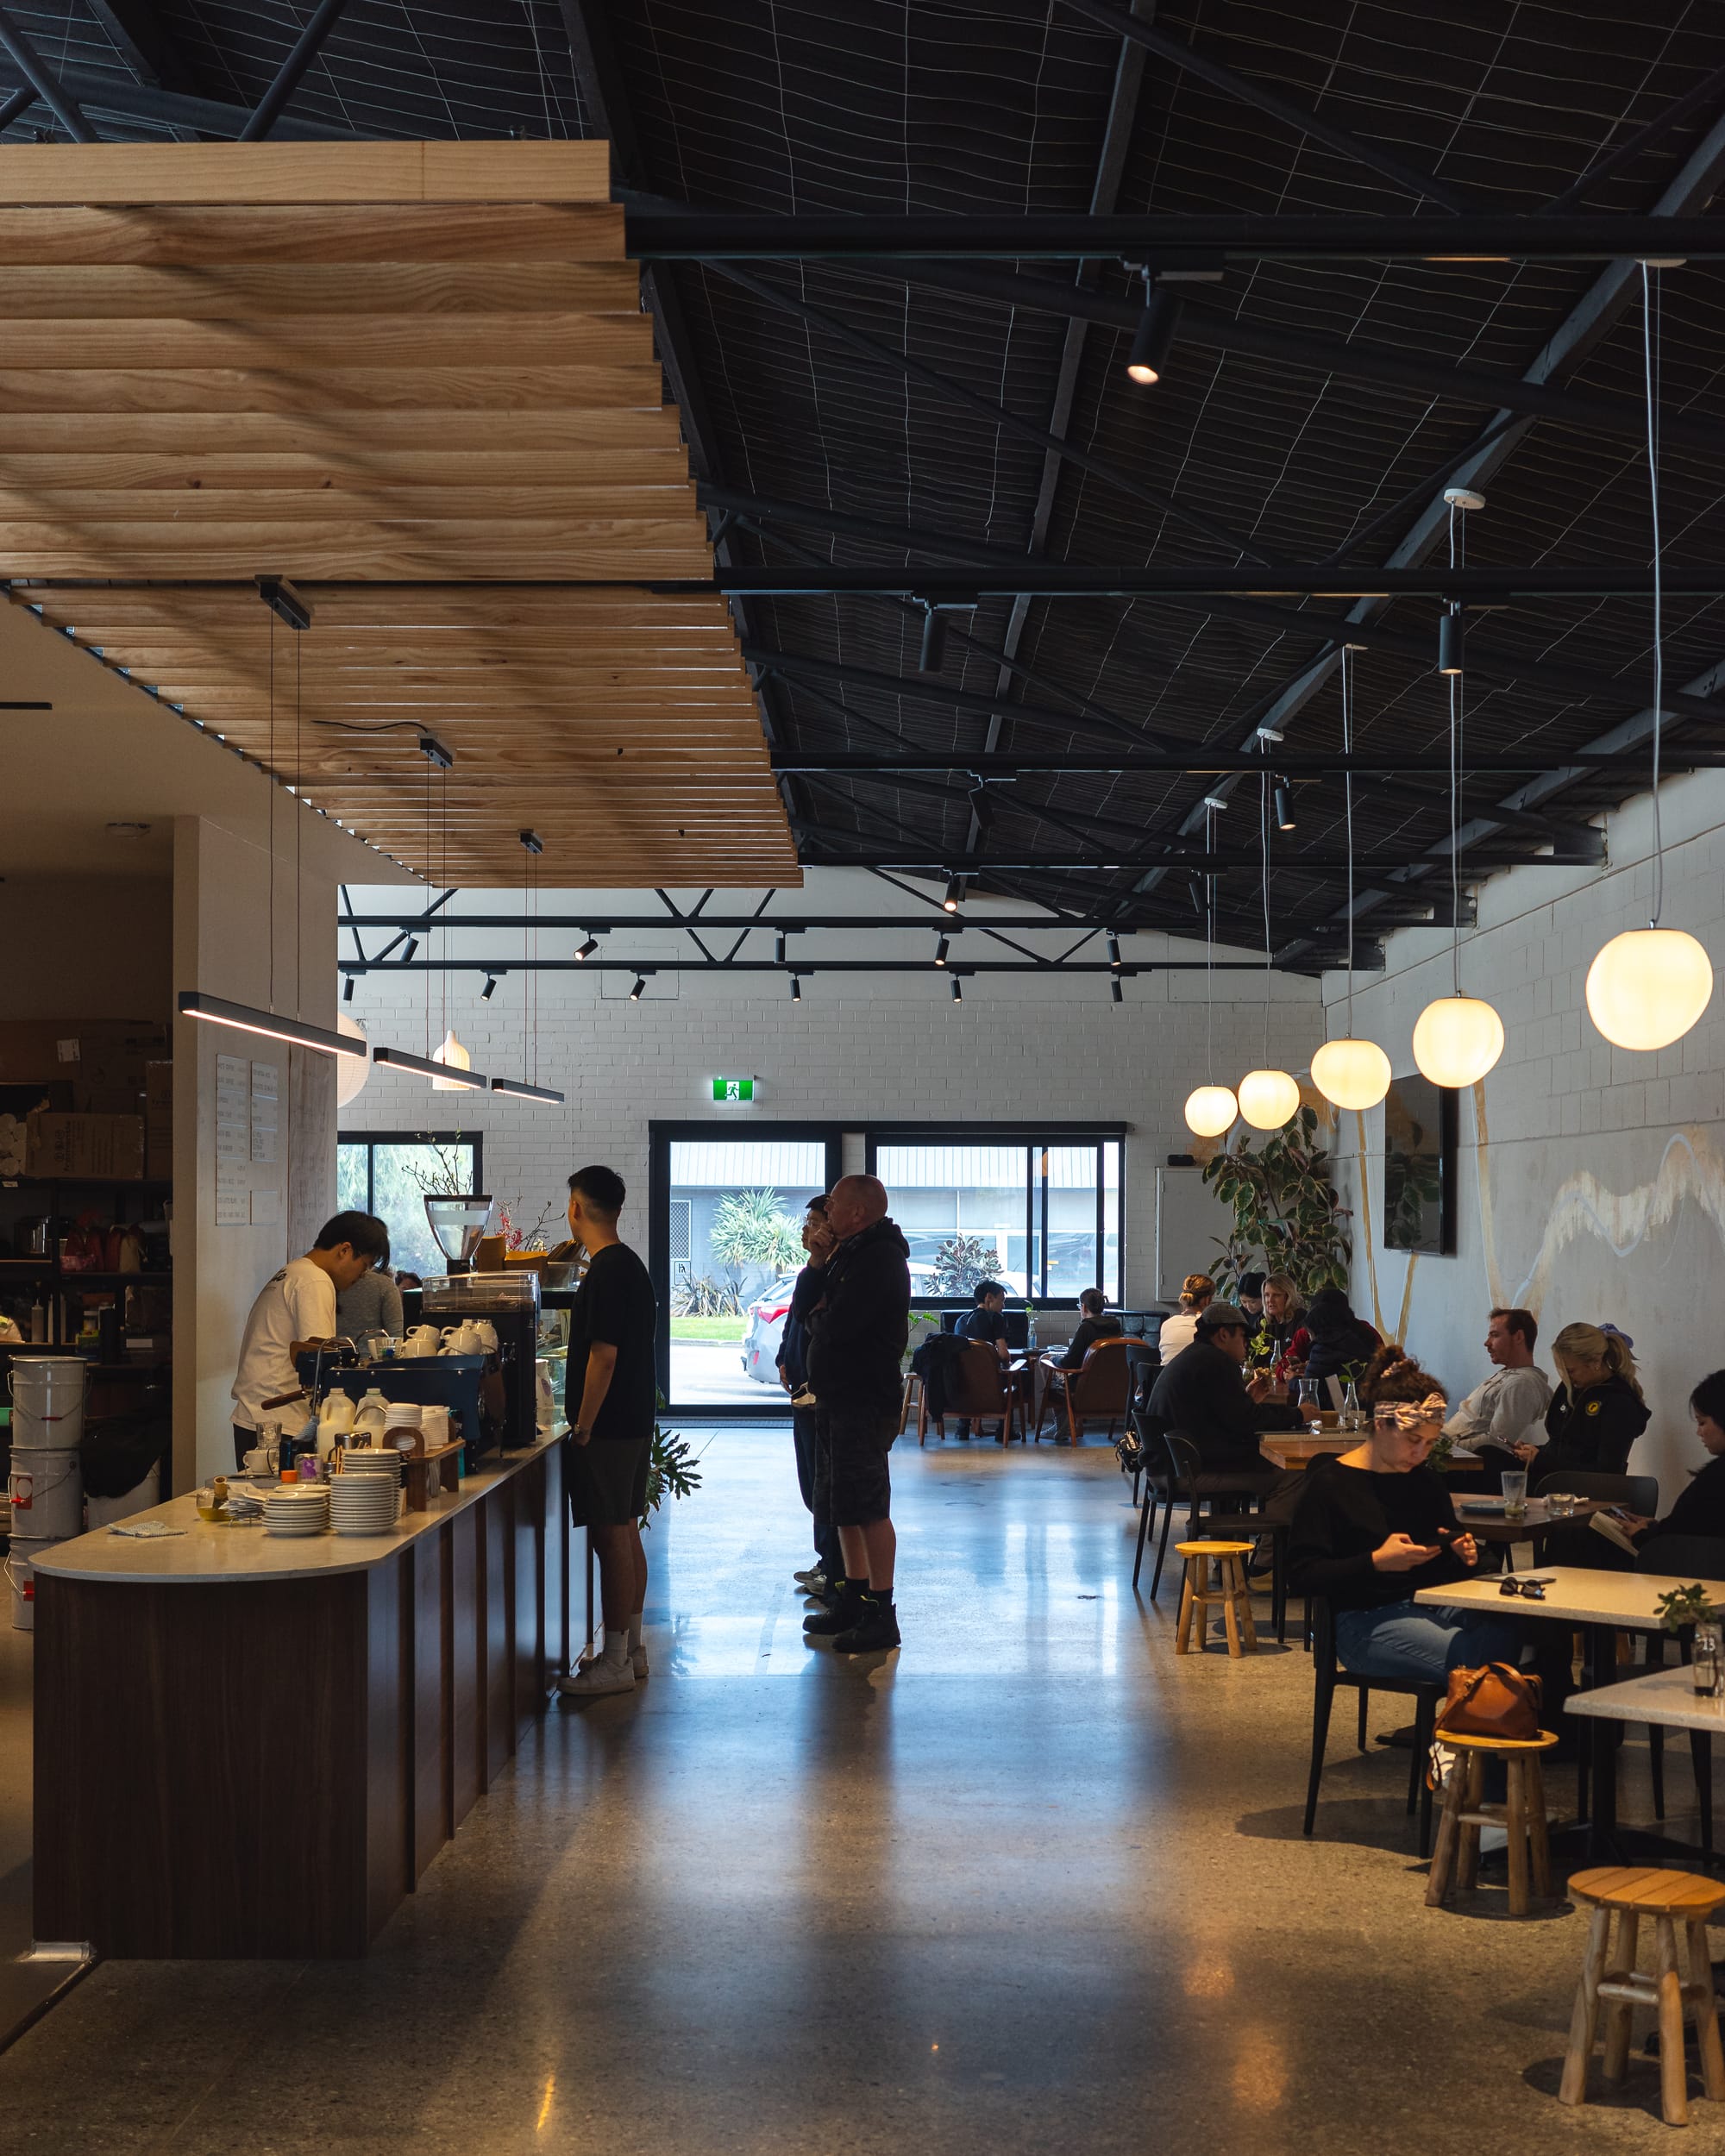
column 1494, row 1701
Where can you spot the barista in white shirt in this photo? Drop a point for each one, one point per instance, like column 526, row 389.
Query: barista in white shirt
column 296, row 1310
column 1510, row 1408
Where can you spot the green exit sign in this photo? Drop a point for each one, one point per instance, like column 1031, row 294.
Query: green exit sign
column 733, row 1088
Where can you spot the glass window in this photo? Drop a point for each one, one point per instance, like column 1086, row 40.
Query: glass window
column 393, row 1177
column 1042, row 1218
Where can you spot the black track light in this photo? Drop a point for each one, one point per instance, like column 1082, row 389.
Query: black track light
column 796, row 989
column 348, row 989
column 412, row 945
column 1113, row 949
column 955, row 892
column 1284, row 806
column 942, row 950
column 779, row 948
column 1450, row 640
column 957, row 991
column 1114, row 990
column 1154, row 336
column 638, row 990
column 489, row 989
column 933, row 641
column 588, row 949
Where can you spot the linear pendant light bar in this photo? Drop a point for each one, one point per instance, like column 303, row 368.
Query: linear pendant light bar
column 522, row 1090
column 424, row 1067
column 245, row 1019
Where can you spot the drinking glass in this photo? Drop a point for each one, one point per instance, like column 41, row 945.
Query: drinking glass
column 1515, row 1494
column 1310, row 1401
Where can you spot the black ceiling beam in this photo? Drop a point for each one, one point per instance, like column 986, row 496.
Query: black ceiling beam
column 1473, row 585
column 1259, row 97
column 1210, row 330
column 48, row 86
column 601, row 922
column 100, row 91
column 951, row 861
column 1703, row 96
column 964, row 967
column 1299, row 764
column 144, row 43
column 288, row 77
column 656, row 233
column 1100, row 468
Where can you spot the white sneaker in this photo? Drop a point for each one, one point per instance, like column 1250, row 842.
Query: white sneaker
column 596, row 1680
column 813, row 1572
column 638, row 1662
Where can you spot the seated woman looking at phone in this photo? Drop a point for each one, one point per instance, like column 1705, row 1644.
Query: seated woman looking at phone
column 1699, row 1510
column 1373, row 1527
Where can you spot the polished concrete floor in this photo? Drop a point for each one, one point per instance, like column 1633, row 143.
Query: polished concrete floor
column 1031, row 1884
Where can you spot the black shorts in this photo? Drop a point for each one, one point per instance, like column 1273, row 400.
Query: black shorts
column 852, row 1486
column 608, row 1481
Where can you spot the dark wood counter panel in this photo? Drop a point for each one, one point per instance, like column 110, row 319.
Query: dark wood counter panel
column 237, row 1766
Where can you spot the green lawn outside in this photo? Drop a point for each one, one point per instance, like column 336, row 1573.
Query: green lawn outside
column 707, row 1328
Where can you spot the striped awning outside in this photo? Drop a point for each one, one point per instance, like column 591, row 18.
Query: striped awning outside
column 748, row 1164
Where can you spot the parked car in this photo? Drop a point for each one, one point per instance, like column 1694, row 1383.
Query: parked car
column 764, row 1331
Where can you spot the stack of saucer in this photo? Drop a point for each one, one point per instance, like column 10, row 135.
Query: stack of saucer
column 296, row 1509
column 365, row 1496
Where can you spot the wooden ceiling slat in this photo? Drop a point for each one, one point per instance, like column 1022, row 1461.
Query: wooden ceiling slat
column 72, row 291
column 130, row 174
column 230, row 236
column 334, row 432
column 477, row 388
column 350, row 342
column 393, row 609
column 426, row 552
column 263, row 473
column 585, row 510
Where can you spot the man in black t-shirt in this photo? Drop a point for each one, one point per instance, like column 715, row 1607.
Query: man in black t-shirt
column 612, row 1392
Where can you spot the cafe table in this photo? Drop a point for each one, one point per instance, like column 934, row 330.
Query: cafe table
column 1600, row 1604
column 1669, row 1699
column 1485, row 1520
column 1298, row 1448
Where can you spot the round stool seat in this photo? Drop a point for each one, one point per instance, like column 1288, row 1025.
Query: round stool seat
column 1543, row 1742
column 1216, row 1550
column 1653, row 1893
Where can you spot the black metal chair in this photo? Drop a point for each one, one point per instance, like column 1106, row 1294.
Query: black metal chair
column 1188, row 1482
column 1685, row 1558
column 1144, row 1360
column 1330, row 1678
column 1635, row 1493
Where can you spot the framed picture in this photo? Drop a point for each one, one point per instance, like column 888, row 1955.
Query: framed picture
column 1419, row 1125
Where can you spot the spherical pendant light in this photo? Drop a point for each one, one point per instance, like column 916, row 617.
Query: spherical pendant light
column 1268, row 1099
column 1211, row 1111
column 351, row 1071
column 1648, row 987
column 453, row 1053
column 1457, row 1040
column 1351, row 1073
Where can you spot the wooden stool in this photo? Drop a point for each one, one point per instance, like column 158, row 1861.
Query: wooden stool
column 1455, row 1861
column 912, row 1392
column 1670, row 1898
column 1197, row 1594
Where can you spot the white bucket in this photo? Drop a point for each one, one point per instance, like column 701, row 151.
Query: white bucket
column 21, row 1571
column 102, row 1512
column 46, row 1490
column 47, row 1400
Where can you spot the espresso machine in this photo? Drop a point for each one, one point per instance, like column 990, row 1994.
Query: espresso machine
column 508, row 1395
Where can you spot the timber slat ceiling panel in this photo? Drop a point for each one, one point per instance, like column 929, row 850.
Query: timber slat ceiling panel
column 414, row 377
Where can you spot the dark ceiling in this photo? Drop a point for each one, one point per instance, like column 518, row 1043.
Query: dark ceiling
column 1365, row 389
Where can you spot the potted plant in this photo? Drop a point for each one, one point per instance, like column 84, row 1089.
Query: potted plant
column 671, row 1471
column 1288, row 1216
column 1679, row 1609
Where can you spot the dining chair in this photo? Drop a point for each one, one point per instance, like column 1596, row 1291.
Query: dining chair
column 1098, row 1390
column 981, row 1390
column 1144, row 1360
column 1329, row 1678
column 1635, row 1493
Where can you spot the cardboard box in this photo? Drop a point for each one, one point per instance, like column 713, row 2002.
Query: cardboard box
column 94, row 1145
column 157, row 1086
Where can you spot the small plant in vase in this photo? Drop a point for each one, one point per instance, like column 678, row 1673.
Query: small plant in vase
column 1684, row 1608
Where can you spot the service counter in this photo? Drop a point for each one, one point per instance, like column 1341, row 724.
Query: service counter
column 249, row 1745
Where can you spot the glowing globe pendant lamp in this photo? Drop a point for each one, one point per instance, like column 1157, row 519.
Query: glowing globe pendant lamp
column 1350, row 1073
column 1268, row 1099
column 1648, row 987
column 352, row 1071
column 453, row 1056
column 1211, row 1109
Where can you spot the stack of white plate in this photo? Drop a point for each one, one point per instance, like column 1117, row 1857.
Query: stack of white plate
column 296, row 1510
column 364, row 1499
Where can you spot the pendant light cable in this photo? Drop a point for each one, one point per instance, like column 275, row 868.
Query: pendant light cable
column 1649, row 347
column 1264, row 854
column 270, row 776
column 1457, row 558
column 1210, row 951
column 299, row 822
column 1347, row 798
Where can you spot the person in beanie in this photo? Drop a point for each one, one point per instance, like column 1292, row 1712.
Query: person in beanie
column 857, row 1334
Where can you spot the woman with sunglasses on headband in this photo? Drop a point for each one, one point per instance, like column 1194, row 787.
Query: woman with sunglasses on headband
column 1373, row 1527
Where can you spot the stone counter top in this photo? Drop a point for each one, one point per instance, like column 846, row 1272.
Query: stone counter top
column 211, row 1554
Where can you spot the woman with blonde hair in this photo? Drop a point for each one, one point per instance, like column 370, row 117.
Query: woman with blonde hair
column 1596, row 1413
column 1197, row 1291
column 1284, row 1325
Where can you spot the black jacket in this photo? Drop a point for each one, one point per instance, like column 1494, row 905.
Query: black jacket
column 1085, row 1335
column 857, row 1332
column 1354, row 1343
column 792, row 1355
column 1202, row 1394
column 1343, row 1513
column 1700, row 1507
column 1592, row 1434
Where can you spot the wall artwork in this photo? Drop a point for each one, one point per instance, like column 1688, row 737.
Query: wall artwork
column 1419, row 1125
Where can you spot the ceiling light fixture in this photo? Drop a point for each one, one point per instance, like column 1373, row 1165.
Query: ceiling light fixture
column 522, row 1091
column 1113, row 942
column 941, row 950
column 284, row 601
column 796, row 989
column 779, row 948
column 1458, row 1039
column 639, row 989
column 528, row 1089
column 1114, row 991
column 955, row 892
column 408, row 949
column 1350, row 1073
column 453, row 1056
column 1153, row 338
column 433, row 751
column 244, row 1017
column 447, row 1078
column 957, row 991
column 1649, row 986
column 933, row 641
column 1450, row 640
column 588, row 949
column 348, row 988
column 352, row 1071
column 1284, row 805
column 1210, row 1109
column 489, row 989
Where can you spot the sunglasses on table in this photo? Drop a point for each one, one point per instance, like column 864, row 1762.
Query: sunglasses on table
column 1534, row 1590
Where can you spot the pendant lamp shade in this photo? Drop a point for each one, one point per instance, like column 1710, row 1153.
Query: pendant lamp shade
column 1268, row 1099
column 1457, row 1040
column 1351, row 1073
column 455, row 1057
column 1210, row 1110
column 352, row 1071
column 1648, row 987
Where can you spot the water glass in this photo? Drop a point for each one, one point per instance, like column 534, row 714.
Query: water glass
column 1515, row 1494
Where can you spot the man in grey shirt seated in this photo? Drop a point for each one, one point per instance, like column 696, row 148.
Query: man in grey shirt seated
column 1510, row 1408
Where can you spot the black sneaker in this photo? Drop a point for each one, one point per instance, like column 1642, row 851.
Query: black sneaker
column 875, row 1630
column 843, row 1608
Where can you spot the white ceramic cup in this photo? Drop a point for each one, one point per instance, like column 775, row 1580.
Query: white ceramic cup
column 487, row 1334
column 461, row 1339
column 423, row 1340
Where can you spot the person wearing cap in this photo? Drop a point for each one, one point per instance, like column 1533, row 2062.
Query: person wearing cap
column 1205, row 1394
